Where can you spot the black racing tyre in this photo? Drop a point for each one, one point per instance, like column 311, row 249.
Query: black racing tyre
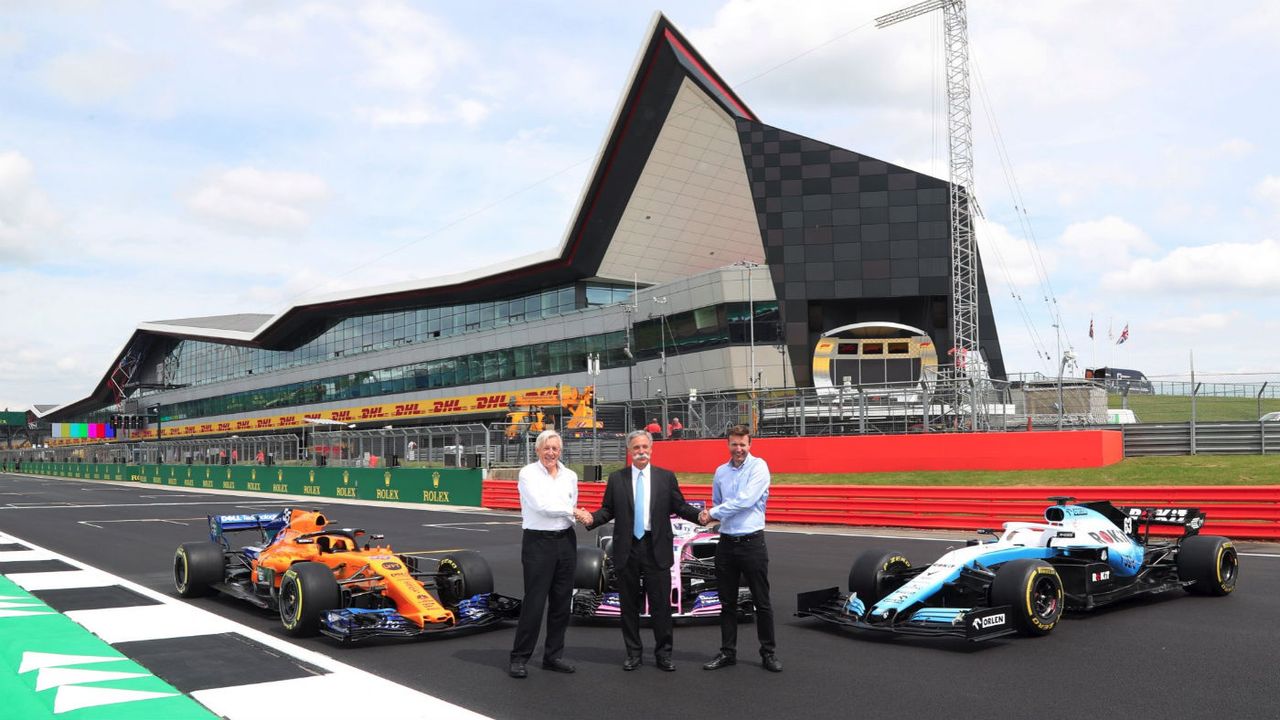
column 870, row 575
column 606, row 544
column 307, row 590
column 1211, row 564
column 463, row 574
column 1033, row 591
column 196, row 566
column 589, row 573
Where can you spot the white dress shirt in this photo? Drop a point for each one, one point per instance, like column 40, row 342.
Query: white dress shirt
column 546, row 502
column 643, row 508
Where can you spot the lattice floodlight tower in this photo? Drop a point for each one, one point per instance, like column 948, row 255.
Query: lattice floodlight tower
column 969, row 371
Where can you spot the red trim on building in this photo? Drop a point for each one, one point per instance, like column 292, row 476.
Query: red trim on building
column 707, row 75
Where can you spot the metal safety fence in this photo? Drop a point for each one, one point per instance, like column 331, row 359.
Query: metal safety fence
column 926, row 406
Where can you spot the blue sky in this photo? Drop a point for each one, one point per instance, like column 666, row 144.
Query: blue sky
column 177, row 159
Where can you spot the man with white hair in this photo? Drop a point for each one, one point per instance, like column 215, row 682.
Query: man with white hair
column 549, row 554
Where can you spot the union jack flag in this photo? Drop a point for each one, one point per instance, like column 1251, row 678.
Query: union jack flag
column 1124, row 335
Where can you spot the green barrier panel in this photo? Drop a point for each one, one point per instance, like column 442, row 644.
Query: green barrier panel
column 442, row 486
column 84, row 677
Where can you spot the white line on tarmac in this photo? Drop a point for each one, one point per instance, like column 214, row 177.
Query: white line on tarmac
column 345, row 691
column 171, row 521
column 276, row 500
column 116, row 505
column 459, row 526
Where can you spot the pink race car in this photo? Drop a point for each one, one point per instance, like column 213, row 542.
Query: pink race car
column 693, row 577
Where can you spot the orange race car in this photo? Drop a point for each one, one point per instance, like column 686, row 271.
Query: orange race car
column 320, row 578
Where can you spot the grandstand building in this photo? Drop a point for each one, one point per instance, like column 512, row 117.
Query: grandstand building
column 706, row 247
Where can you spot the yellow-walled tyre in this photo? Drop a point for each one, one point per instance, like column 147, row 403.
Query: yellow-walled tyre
column 463, row 574
column 197, row 566
column 307, row 591
column 1210, row 562
column 1033, row 591
column 872, row 575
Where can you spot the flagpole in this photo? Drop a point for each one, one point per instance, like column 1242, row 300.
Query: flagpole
column 1111, row 337
column 1093, row 345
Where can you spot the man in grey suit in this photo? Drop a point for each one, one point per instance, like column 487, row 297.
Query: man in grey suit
column 642, row 544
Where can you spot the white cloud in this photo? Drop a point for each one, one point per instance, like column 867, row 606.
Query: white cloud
column 1008, row 260
column 1269, row 190
column 27, row 217
column 1219, row 268
column 11, row 43
column 96, row 76
column 259, row 200
column 1196, row 325
column 407, row 50
column 1110, row 242
column 468, row 112
column 1236, row 148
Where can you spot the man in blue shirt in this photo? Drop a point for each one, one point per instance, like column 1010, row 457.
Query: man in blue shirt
column 738, row 495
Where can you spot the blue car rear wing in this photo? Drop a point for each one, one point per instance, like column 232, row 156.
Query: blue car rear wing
column 268, row 524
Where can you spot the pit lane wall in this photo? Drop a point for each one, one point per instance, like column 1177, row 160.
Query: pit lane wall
column 436, row 486
column 907, row 453
column 1238, row 512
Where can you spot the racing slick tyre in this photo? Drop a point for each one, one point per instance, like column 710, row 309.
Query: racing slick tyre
column 871, row 576
column 463, row 574
column 1211, row 564
column 589, row 573
column 1033, row 591
column 307, row 590
column 606, row 544
column 196, row 566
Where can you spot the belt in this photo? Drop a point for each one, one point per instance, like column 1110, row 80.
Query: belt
column 550, row 533
column 742, row 538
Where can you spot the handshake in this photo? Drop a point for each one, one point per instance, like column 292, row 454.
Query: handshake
column 583, row 517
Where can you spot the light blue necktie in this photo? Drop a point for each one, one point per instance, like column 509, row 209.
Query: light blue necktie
column 638, row 530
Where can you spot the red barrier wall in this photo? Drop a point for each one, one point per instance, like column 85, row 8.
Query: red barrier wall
column 1237, row 512
column 900, row 453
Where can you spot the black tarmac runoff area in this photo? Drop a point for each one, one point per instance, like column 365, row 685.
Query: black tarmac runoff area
column 1176, row 656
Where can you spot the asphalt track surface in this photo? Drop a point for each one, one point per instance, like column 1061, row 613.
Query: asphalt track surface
column 1177, row 656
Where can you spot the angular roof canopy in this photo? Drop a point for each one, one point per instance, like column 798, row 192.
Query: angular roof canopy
column 668, row 197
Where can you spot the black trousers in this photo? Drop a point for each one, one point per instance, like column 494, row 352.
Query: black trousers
column 738, row 560
column 549, row 563
column 657, row 587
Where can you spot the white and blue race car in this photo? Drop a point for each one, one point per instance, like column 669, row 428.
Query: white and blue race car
column 1082, row 557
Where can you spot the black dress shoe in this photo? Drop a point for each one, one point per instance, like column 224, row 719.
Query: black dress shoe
column 771, row 663
column 557, row 665
column 518, row 670
column 632, row 663
column 664, row 664
column 719, row 661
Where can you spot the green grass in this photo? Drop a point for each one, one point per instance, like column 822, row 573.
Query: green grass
column 1173, row 408
column 1182, row 470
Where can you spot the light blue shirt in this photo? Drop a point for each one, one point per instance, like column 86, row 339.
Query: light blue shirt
column 739, row 494
column 642, row 508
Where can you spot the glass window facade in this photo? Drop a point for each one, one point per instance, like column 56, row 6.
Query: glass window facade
column 195, row 362
column 565, row 356
column 706, row 327
column 690, row 331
